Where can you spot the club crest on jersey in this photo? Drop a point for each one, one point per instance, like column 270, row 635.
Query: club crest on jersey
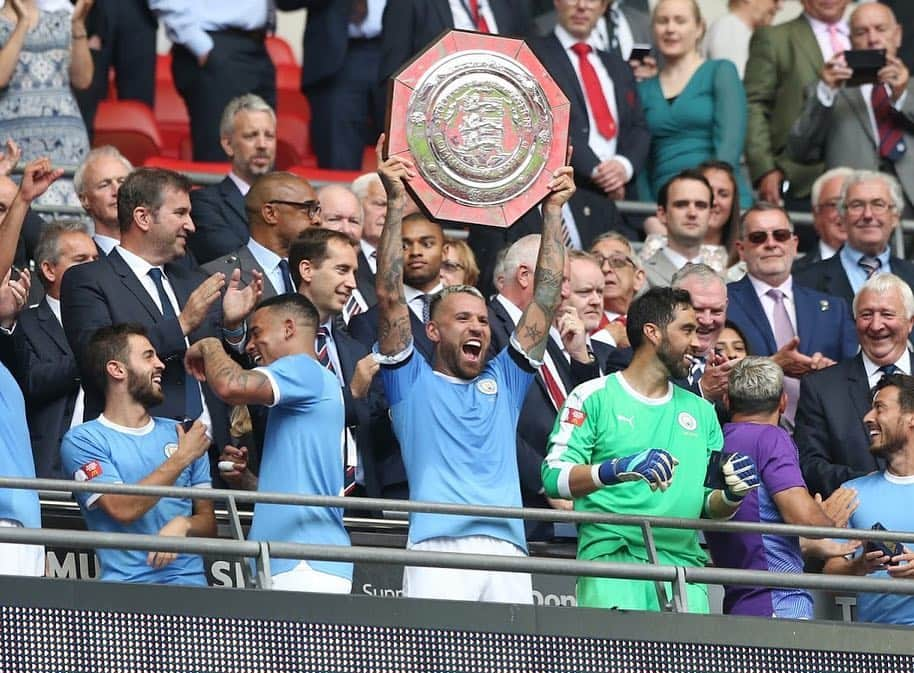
column 170, row 449
column 487, row 386
column 575, row 416
column 90, row 470
column 687, row 421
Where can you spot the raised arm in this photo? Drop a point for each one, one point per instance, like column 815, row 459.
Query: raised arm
column 9, row 53
column 394, row 331
column 82, row 67
column 533, row 328
column 37, row 177
column 206, row 360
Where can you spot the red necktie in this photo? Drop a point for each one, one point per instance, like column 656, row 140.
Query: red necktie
column 621, row 319
column 553, row 388
column 891, row 136
column 596, row 99
column 481, row 24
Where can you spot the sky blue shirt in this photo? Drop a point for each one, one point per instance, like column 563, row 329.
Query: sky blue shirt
column 107, row 453
column 458, row 441
column 16, row 453
column 886, row 499
column 855, row 273
column 187, row 23
column 302, row 453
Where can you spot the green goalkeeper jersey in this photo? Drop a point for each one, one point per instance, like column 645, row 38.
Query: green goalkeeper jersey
column 605, row 419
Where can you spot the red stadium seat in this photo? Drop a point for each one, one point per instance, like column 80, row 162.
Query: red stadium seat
column 293, row 142
column 170, row 111
column 323, row 175
column 130, row 126
column 182, row 166
column 280, row 51
column 289, row 98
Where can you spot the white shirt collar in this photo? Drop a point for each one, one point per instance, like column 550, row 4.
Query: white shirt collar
column 267, row 259
column 761, row 287
column 242, row 186
column 137, row 264
column 54, row 305
column 371, row 254
column 903, row 363
column 567, row 40
column 412, row 293
column 820, row 27
column 106, row 243
column 513, row 311
column 826, row 251
column 678, row 260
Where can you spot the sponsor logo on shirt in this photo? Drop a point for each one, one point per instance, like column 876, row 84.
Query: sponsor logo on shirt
column 487, row 386
column 575, row 416
column 90, row 470
column 687, row 421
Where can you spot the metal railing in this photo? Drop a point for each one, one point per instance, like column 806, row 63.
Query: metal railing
column 263, row 551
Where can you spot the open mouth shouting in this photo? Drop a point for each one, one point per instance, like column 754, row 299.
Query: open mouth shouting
column 472, row 350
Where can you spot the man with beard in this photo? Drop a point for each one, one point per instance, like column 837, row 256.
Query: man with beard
column 885, row 499
column 302, row 452
column 456, row 414
column 128, row 445
column 615, row 446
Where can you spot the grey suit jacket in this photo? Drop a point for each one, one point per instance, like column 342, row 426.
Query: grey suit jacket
column 841, row 135
column 244, row 260
column 659, row 270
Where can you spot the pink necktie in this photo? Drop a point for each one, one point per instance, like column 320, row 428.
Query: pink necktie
column 835, row 39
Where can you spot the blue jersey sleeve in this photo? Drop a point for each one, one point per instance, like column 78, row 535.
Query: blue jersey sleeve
column 399, row 378
column 86, row 457
column 296, row 380
column 513, row 369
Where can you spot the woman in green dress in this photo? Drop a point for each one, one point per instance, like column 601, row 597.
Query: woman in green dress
column 695, row 108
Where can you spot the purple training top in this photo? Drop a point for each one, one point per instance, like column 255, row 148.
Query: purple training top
column 775, row 455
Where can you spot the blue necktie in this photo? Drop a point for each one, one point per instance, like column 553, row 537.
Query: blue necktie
column 193, row 405
column 888, row 370
column 286, row 276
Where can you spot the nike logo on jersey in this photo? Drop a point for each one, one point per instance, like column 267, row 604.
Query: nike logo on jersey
column 626, row 419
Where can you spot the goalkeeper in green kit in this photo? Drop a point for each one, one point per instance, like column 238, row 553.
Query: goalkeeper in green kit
column 633, row 443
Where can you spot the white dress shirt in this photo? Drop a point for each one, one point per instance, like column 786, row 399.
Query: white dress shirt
column 106, row 243
column 371, row 27
column 873, row 375
column 242, row 186
column 269, row 262
column 463, row 18
column 371, row 255
column 414, row 298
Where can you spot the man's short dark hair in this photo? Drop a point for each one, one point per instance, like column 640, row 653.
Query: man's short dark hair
column 905, row 386
column 313, row 245
column 658, row 307
column 762, row 207
column 687, row 174
column 109, row 343
column 145, row 187
column 294, row 305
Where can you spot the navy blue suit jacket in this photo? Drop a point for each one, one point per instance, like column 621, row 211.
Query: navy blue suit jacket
column 829, row 276
column 107, row 292
column 219, row 216
column 38, row 355
column 824, row 323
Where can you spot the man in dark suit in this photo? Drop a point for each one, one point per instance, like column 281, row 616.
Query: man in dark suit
column 871, row 206
column 370, row 191
column 422, row 251
column 341, row 51
column 37, row 352
column 825, row 199
column 830, row 435
column 280, row 207
column 141, row 282
column 248, row 136
column 96, row 182
column 621, row 27
column 801, row 329
column 601, row 87
column 411, row 25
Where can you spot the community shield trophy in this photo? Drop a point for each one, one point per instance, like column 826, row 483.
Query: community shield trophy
column 484, row 124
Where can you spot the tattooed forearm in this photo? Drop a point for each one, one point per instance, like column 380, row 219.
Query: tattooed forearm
column 230, row 381
column 394, row 331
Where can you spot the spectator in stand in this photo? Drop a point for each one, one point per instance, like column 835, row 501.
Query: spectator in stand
column 695, row 109
column 18, row 507
column 341, row 52
column 684, row 208
column 871, row 206
column 622, row 26
column 783, row 60
column 801, row 329
column 39, row 355
column 341, row 210
column 755, row 399
column 43, row 54
column 633, row 443
column 126, row 444
column 280, row 208
column 370, row 191
column 302, row 446
column 729, row 35
column 456, row 418
column 870, row 126
column 832, row 439
column 623, row 278
column 247, row 133
column 731, row 343
column 885, row 499
column 142, row 281
column 718, row 249
column 409, row 26
column 458, row 264
column 607, row 127
column 825, row 199
column 97, row 180
column 218, row 53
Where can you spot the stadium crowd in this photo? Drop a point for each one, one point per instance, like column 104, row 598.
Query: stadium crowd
column 259, row 333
